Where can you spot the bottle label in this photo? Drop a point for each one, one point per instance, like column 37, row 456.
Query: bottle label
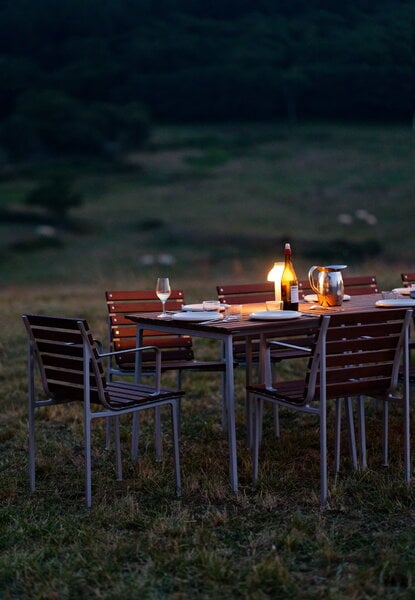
column 294, row 294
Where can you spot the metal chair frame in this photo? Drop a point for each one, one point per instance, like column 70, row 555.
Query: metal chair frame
column 71, row 370
column 352, row 356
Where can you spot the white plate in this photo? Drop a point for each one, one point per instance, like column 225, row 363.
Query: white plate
column 404, row 291
column 395, row 302
column 275, row 315
column 211, row 315
column 314, row 298
column 199, row 307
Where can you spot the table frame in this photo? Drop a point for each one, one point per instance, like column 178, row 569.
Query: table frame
column 225, row 332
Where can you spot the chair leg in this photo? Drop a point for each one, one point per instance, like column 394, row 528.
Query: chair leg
column 352, row 436
column 249, row 403
column 32, row 451
column 407, row 410
column 249, row 419
column 117, row 445
column 159, row 444
column 256, row 412
column 337, row 444
column 407, row 440
column 385, row 434
column 179, row 387
column 260, row 423
column 175, row 413
column 135, row 432
column 323, row 459
column 275, row 411
column 224, row 418
column 351, row 432
column 31, row 421
column 276, row 421
column 362, row 431
column 87, row 441
column 107, row 433
column 32, row 456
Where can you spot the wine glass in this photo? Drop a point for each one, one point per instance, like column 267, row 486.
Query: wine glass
column 163, row 292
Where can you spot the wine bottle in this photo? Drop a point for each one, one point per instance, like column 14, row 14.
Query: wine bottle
column 289, row 282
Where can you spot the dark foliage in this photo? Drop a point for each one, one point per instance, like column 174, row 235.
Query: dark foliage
column 56, row 195
column 74, row 76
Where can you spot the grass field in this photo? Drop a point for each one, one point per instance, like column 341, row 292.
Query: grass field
column 205, row 205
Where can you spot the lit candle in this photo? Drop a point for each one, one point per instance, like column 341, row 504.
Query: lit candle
column 275, row 275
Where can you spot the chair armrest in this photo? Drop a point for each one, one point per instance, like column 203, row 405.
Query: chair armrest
column 140, row 349
column 267, row 366
column 286, row 345
column 129, row 350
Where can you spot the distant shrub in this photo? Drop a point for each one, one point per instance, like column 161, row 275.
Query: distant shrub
column 57, row 196
column 120, row 127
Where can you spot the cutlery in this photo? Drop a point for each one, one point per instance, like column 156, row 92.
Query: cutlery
column 224, row 320
column 210, row 321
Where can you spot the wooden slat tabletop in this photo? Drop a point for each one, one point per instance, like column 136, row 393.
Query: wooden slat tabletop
column 246, row 325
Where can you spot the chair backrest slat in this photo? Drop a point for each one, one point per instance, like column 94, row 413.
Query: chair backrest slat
column 141, row 296
column 353, row 286
column 408, row 278
column 378, row 387
column 246, row 293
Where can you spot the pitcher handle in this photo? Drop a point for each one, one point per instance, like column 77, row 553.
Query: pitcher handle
column 311, row 280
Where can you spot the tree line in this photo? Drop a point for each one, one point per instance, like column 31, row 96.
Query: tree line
column 89, row 76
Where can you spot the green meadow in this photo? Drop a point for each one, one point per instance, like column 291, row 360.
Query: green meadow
column 204, row 205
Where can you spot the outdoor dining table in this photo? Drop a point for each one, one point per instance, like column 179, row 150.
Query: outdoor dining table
column 250, row 329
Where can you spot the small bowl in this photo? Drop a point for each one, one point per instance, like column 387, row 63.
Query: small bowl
column 234, row 311
column 211, row 305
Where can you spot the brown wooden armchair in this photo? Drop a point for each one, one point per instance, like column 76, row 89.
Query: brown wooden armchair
column 254, row 297
column 71, row 370
column 177, row 352
column 352, row 355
